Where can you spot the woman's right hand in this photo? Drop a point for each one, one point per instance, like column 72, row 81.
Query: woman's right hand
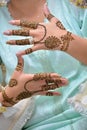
column 46, row 36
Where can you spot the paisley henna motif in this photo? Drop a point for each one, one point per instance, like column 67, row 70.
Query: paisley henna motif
column 12, row 83
column 60, row 25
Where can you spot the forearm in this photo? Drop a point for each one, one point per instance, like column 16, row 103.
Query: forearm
column 78, row 49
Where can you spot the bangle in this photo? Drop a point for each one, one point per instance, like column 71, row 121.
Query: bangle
column 2, row 108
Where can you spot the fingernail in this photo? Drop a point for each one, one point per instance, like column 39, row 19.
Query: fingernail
column 64, row 81
column 7, row 32
column 12, row 22
column 12, row 42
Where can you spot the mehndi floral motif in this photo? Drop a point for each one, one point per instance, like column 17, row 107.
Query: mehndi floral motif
column 53, row 42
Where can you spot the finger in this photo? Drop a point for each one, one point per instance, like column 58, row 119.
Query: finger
column 24, row 23
column 56, row 79
column 21, row 42
column 22, row 32
column 48, row 87
column 30, row 50
column 20, row 64
column 19, row 32
column 52, row 80
column 52, row 18
column 58, row 82
column 48, row 15
column 48, row 93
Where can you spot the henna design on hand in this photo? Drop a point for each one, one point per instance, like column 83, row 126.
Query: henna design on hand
column 66, row 40
column 52, row 42
column 25, row 23
column 23, row 95
column 49, row 94
column 21, row 32
column 23, row 42
column 19, row 66
column 13, row 82
column 50, row 16
column 7, row 100
column 28, row 51
column 60, row 25
column 41, row 76
column 49, row 85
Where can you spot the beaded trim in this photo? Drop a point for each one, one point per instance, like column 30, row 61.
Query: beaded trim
column 3, row 3
column 80, row 3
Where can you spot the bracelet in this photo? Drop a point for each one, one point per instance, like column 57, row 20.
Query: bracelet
column 2, row 108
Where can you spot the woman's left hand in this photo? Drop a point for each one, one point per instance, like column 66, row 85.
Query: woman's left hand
column 22, row 85
column 46, row 36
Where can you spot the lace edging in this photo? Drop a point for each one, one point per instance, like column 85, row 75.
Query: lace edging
column 26, row 116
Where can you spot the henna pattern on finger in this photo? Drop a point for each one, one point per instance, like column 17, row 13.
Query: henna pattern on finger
column 60, row 25
column 49, row 87
column 28, row 24
column 23, row 42
column 28, row 51
column 19, row 66
column 49, row 93
column 41, row 76
column 13, row 82
column 50, row 16
column 21, row 32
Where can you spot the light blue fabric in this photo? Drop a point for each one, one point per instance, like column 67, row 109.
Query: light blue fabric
column 52, row 113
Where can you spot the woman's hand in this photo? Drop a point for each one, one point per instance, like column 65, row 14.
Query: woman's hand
column 23, row 85
column 46, row 36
